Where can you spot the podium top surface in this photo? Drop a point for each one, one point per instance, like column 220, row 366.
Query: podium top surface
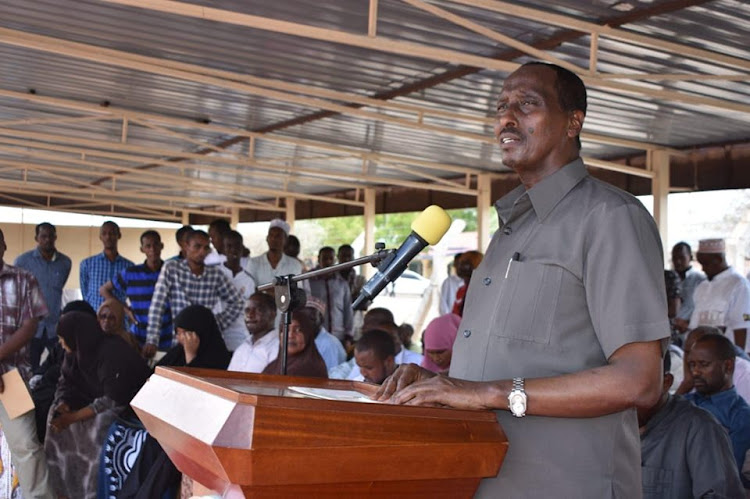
column 263, row 390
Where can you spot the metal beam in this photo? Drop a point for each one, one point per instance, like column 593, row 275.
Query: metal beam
column 418, row 50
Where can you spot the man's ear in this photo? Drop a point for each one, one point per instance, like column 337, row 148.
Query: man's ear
column 575, row 123
column 729, row 366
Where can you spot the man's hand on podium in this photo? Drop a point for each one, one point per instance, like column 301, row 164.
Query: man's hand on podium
column 414, row 385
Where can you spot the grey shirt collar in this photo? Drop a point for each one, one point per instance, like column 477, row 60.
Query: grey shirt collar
column 545, row 195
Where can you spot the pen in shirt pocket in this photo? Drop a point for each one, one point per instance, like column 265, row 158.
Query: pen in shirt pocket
column 516, row 257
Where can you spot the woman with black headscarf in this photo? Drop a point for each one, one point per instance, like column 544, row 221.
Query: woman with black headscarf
column 200, row 341
column 199, row 345
column 109, row 374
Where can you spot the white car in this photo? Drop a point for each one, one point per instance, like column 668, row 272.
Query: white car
column 409, row 283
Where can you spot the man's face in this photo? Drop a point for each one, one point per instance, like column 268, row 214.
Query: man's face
column 531, row 128
column 46, row 239
column 710, row 262
column 232, row 249
column 373, row 369
column 198, row 249
column 109, row 234
column 710, row 374
column 680, row 259
column 151, row 247
column 183, row 242
column 326, row 258
column 345, row 255
column 276, row 239
column 257, row 319
column 216, row 239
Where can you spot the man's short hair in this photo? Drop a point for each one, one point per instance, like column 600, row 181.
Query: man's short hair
column 152, row 234
column 377, row 341
column 720, row 344
column 346, row 247
column 113, row 224
column 326, row 248
column 220, row 224
column 182, row 231
column 233, row 234
column 683, row 244
column 197, row 233
column 266, row 302
column 44, row 225
column 379, row 316
column 571, row 92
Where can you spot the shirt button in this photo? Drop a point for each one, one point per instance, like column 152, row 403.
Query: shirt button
column 487, row 281
column 467, row 333
column 507, row 230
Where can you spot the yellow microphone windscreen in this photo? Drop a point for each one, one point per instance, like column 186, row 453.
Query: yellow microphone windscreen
column 432, row 224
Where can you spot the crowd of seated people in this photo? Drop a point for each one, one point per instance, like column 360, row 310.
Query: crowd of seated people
column 695, row 440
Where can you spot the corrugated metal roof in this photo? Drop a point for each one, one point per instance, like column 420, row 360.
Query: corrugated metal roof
column 193, row 95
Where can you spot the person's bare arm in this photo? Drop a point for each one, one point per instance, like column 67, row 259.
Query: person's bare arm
column 106, row 291
column 17, row 340
column 632, row 378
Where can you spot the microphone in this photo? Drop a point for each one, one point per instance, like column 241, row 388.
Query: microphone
column 428, row 228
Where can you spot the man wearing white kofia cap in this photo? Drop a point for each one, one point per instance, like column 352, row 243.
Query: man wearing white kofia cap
column 723, row 300
column 274, row 262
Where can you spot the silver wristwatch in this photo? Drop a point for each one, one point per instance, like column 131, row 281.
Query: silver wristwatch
column 517, row 399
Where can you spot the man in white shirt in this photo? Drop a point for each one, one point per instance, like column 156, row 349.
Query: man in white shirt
column 382, row 318
column 274, row 262
column 449, row 288
column 723, row 300
column 236, row 332
column 262, row 346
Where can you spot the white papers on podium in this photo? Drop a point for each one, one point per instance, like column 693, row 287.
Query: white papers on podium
column 15, row 397
column 329, row 394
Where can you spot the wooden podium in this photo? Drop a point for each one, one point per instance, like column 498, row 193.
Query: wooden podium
column 248, row 435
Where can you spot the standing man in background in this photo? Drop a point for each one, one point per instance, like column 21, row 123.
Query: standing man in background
column 274, row 262
column 334, row 292
column 450, row 287
column 99, row 269
column 51, row 269
column 236, row 333
column 138, row 283
column 191, row 282
column 723, row 300
column 690, row 278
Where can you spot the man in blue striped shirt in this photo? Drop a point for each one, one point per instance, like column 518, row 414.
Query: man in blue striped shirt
column 137, row 283
column 98, row 269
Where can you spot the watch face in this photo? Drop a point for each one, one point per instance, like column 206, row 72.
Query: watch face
column 517, row 404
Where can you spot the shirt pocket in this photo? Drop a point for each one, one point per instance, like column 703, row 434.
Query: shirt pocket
column 527, row 305
column 657, row 482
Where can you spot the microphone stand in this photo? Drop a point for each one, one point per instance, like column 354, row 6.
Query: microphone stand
column 289, row 296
